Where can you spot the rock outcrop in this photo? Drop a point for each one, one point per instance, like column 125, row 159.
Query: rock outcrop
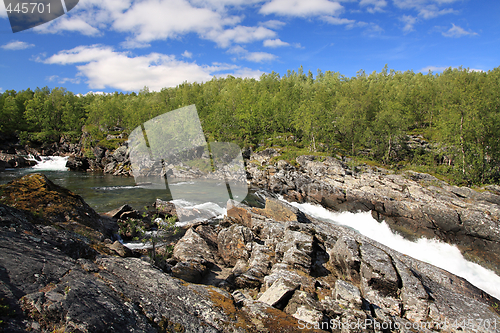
column 53, row 204
column 413, row 204
column 271, row 269
column 46, row 285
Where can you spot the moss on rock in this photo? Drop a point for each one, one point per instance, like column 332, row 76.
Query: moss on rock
column 51, row 203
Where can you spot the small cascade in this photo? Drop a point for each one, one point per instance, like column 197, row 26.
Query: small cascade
column 200, row 212
column 32, row 157
column 50, row 163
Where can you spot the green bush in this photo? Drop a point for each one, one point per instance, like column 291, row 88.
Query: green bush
column 111, row 144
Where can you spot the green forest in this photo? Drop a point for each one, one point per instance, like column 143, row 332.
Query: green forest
column 369, row 117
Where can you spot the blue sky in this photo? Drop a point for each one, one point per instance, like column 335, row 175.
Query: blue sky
column 124, row 45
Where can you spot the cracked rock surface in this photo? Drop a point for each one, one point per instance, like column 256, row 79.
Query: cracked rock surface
column 413, row 204
column 271, row 269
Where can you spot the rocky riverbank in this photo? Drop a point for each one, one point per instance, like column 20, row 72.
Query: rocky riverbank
column 413, row 204
column 271, row 269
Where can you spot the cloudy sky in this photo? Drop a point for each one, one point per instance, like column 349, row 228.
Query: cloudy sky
column 124, row 45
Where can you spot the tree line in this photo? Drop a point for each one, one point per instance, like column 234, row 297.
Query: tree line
column 368, row 115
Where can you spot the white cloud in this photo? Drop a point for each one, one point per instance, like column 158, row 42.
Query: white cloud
column 63, row 80
column 301, row 8
column 65, row 23
column 409, row 21
column 187, row 54
column 275, row 43
column 150, row 20
column 96, row 93
column 373, row 30
column 338, row 21
column 96, row 14
column 432, row 69
column 259, row 56
column 432, row 11
column 240, row 34
column 221, row 5
column 252, row 56
column 246, row 72
column 442, row 69
column 81, row 54
column 373, row 5
column 17, row 45
column 456, row 31
column 131, row 43
column 146, row 20
column 426, row 8
column 106, row 68
column 273, row 24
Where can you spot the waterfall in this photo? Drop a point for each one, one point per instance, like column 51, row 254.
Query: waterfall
column 50, row 163
column 432, row 251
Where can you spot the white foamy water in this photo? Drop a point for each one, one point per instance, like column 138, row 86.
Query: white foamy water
column 142, row 246
column 182, row 183
column 206, row 206
column 432, row 251
column 114, row 188
column 51, row 163
column 207, row 210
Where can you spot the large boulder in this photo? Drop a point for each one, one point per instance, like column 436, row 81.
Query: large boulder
column 52, row 203
column 194, row 257
column 232, row 243
column 76, row 163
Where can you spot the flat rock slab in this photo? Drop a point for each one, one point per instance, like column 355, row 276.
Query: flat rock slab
column 280, row 290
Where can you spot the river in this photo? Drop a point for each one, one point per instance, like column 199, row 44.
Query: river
column 106, row 192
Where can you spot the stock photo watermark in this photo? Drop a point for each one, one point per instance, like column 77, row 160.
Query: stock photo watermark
column 337, row 324
column 26, row 14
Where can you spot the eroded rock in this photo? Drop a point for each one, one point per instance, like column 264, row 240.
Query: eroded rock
column 264, row 268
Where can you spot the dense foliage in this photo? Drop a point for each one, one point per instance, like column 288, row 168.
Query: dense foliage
column 371, row 116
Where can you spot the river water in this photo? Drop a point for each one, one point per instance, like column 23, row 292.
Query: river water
column 106, row 192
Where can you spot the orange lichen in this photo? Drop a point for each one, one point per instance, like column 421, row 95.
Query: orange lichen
column 237, row 317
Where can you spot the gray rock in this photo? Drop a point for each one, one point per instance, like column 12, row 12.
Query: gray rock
column 362, row 280
column 110, row 167
column 349, row 292
column 414, row 204
column 279, row 293
column 120, row 154
column 194, row 257
column 119, row 249
column 345, row 258
column 306, row 308
column 232, row 243
column 192, row 247
column 190, row 271
column 116, row 213
column 259, row 264
column 378, row 272
column 415, row 299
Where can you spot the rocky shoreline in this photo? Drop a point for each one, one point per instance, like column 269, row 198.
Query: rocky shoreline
column 413, row 204
column 271, row 269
